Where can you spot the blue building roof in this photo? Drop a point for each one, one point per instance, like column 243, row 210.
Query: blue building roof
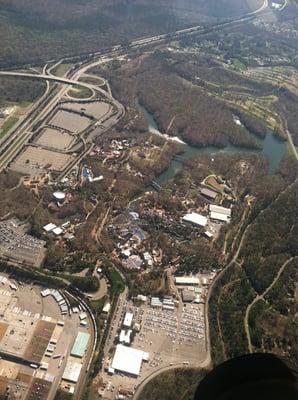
column 80, row 345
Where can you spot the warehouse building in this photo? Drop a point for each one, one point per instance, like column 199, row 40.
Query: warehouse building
column 195, row 219
column 187, row 280
column 80, row 345
column 220, row 209
column 128, row 320
column 210, row 194
column 128, row 360
column 72, row 372
column 219, row 213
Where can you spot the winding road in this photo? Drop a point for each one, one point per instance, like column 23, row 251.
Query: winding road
column 261, row 297
column 74, row 81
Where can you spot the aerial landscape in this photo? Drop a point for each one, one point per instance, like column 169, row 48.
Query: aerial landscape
column 149, row 192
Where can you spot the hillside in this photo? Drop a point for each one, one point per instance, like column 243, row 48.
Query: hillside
column 35, row 31
column 252, row 307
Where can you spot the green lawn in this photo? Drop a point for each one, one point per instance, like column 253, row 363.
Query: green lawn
column 61, row 69
column 117, row 284
column 80, row 92
column 8, row 124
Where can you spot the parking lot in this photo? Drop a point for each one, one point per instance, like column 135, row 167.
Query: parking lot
column 35, row 161
column 55, row 139
column 69, row 121
column 16, row 244
column 95, row 109
column 171, row 337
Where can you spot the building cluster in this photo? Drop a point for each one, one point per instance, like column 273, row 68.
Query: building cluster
column 75, row 361
column 124, row 353
column 130, row 237
column 194, row 289
column 34, row 345
column 63, row 229
column 217, row 214
column 114, row 150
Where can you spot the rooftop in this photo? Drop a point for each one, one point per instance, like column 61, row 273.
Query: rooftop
column 128, row 320
column 195, row 219
column 220, row 209
column 220, row 217
column 72, row 372
column 187, row 280
column 128, row 360
column 80, row 345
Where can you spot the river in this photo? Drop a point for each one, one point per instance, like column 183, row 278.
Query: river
column 273, row 148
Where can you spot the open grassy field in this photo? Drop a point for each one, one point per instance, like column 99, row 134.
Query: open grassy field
column 8, row 124
column 61, row 69
column 80, row 92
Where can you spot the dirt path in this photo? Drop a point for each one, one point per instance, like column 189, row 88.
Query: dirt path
column 17, row 186
column 171, row 123
column 261, row 297
column 97, row 230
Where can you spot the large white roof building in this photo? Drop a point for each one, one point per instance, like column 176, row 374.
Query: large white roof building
column 196, row 219
column 220, row 217
column 220, row 209
column 72, row 372
column 187, row 280
column 128, row 320
column 129, row 360
column 125, row 336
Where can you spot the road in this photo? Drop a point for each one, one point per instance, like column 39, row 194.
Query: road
column 237, row 252
column 292, row 145
column 23, row 133
column 102, row 57
column 261, row 297
column 74, row 80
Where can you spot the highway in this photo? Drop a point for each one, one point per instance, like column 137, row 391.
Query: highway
column 18, row 137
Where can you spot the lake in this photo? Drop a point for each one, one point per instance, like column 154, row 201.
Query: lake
column 272, row 148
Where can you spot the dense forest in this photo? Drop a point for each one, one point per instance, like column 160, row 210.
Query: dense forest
column 18, row 90
column 180, row 384
column 34, row 31
column 269, row 240
column 165, row 83
column 272, row 320
column 56, row 28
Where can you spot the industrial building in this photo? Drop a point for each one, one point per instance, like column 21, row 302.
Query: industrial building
column 80, row 345
column 187, row 280
column 125, row 336
column 128, row 320
column 210, row 194
column 195, row 219
column 72, row 372
column 129, row 360
column 219, row 213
